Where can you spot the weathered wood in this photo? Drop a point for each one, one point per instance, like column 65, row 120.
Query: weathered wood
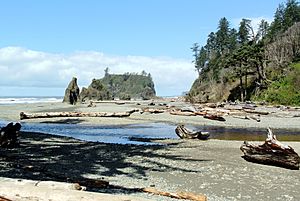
column 179, row 112
column 246, row 117
column 75, row 114
column 214, row 117
column 91, row 183
column 257, row 112
column 9, row 135
column 179, row 195
column 152, row 110
column 272, row 152
column 185, row 133
column 4, row 199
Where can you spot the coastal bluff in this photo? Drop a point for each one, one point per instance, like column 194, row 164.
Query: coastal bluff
column 112, row 87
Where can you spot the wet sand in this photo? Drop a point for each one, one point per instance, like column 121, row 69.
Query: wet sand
column 214, row 167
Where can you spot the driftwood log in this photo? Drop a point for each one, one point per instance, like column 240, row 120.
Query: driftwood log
column 4, row 199
column 214, row 117
column 247, row 117
column 272, row 152
column 152, row 110
column 24, row 115
column 179, row 112
column 185, row 133
column 9, row 135
column 179, row 195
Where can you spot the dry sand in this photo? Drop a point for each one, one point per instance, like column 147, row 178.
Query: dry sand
column 214, row 167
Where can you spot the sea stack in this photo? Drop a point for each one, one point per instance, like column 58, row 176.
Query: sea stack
column 72, row 92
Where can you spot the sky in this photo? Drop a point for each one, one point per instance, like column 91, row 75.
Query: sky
column 43, row 44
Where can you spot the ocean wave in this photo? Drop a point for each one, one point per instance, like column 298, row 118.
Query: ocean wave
column 20, row 100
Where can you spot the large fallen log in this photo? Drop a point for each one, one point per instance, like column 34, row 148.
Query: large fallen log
column 179, row 112
column 272, row 152
column 256, row 112
column 179, row 195
column 152, row 110
column 9, row 135
column 24, row 115
column 214, row 117
column 185, row 133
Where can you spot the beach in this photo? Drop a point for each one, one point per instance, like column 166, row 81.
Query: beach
column 213, row 167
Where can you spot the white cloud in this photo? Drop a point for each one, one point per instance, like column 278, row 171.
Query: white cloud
column 21, row 67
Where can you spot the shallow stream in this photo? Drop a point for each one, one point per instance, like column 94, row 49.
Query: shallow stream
column 139, row 133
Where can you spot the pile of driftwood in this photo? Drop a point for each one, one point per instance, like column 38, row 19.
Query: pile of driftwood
column 272, row 152
column 217, row 112
column 9, row 135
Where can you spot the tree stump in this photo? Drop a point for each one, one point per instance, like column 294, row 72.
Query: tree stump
column 9, row 135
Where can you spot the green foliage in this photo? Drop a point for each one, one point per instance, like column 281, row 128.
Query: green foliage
column 286, row 90
column 129, row 85
column 285, row 16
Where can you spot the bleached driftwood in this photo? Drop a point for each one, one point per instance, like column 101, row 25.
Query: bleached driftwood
column 152, row 110
column 179, row 112
column 272, row 152
column 24, row 115
column 256, row 112
column 214, row 117
column 247, row 117
column 185, row 133
column 179, row 195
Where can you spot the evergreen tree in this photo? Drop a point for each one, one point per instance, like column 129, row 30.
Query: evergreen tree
column 262, row 29
column 202, row 60
column 232, row 43
column 195, row 50
column 211, row 45
column 243, row 34
column 291, row 14
column 222, row 36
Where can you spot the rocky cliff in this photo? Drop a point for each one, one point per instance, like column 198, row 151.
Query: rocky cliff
column 114, row 86
column 95, row 91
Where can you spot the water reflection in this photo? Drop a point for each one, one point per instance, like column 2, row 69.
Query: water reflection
column 250, row 134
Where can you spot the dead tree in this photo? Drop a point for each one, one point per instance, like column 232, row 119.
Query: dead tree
column 272, row 152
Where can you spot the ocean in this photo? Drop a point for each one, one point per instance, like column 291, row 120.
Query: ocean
column 4, row 100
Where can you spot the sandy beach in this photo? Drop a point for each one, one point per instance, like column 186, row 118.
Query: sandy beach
column 214, row 167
